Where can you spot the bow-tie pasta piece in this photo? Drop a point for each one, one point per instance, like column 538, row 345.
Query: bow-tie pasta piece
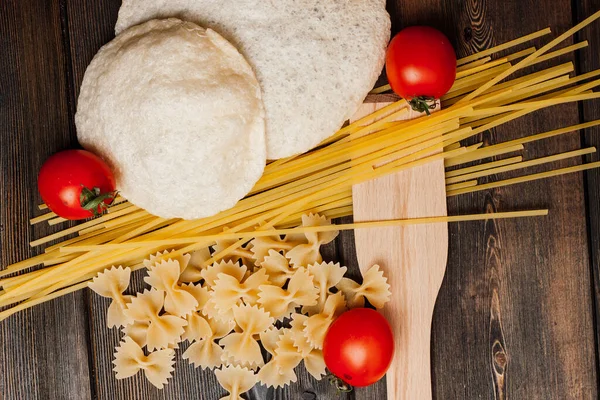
column 211, row 311
column 211, row 274
column 193, row 270
column 164, row 276
column 112, row 283
column 315, row 364
column 163, row 330
column 278, row 268
column 153, row 259
column 260, row 246
column 197, row 328
column 279, row 302
column 200, row 293
column 374, row 288
column 316, row 326
column 269, row 339
column 325, row 276
column 309, row 253
column 280, row 370
column 286, row 354
column 137, row 331
column 296, row 333
column 205, row 353
column 242, row 347
column 241, row 254
column 272, row 375
column 229, row 291
column 130, row 359
column 236, row 380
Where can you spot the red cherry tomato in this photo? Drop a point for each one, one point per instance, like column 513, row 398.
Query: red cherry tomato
column 76, row 184
column 359, row 347
column 420, row 65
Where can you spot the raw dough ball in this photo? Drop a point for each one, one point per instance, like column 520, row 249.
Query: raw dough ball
column 177, row 112
column 315, row 60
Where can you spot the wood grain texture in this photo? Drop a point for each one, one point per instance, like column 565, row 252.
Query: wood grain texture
column 90, row 26
column 413, row 259
column 506, row 323
column 589, row 61
column 43, row 350
column 514, row 318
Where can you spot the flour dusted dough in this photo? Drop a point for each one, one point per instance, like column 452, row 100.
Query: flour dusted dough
column 316, row 60
column 177, row 112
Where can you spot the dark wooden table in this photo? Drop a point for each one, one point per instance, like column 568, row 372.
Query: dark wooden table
column 517, row 316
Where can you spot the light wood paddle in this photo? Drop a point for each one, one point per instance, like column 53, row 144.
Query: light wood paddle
column 412, row 257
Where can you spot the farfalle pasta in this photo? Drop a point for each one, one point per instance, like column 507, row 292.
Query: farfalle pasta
column 261, row 245
column 163, row 330
column 325, row 277
column 228, row 309
column 204, row 352
column 315, row 364
column 269, row 339
column 192, row 272
column 315, row 327
column 112, row 283
column 137, row 331
column 300, row 292
column 241, row 346
column 239, row 254
column 236, row 380
column 374, row 288
column 199, row 292
column 278, row 268
column 279, row 371
column 296, row 332
column 164, row 276
column 211, row 273
column 182, row 260
column 228, row 291
column 197, row 328
column 130, row 359
column 309, row 253
column 272, row 375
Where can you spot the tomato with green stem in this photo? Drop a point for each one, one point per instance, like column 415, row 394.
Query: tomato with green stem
column 76, row 184
column 421, row 66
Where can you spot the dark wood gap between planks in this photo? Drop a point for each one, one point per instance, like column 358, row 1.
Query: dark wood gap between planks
column 588, row 61
column 72, row 101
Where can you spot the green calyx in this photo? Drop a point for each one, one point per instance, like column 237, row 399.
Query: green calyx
column 93, row 200
column 423, row 104
column 340, row 385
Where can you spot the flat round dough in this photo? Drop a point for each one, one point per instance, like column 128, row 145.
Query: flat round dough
column 177, row 112
column 316, row 60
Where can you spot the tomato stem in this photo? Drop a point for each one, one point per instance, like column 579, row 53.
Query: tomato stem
column 423, row 104
column 340, row 385
column 93, row 200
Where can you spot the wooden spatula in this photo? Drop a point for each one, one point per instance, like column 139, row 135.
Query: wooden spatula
column 412, row 257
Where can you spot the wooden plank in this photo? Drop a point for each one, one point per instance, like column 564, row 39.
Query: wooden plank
column 90, row 26
column 515, row 292
column 44, row 350
column 507, row 305
column 588, row 61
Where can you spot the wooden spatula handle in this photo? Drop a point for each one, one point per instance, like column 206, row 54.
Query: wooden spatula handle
column 409, row 376
column 414, row 260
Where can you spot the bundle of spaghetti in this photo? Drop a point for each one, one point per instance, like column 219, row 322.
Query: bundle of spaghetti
column 322, row 179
